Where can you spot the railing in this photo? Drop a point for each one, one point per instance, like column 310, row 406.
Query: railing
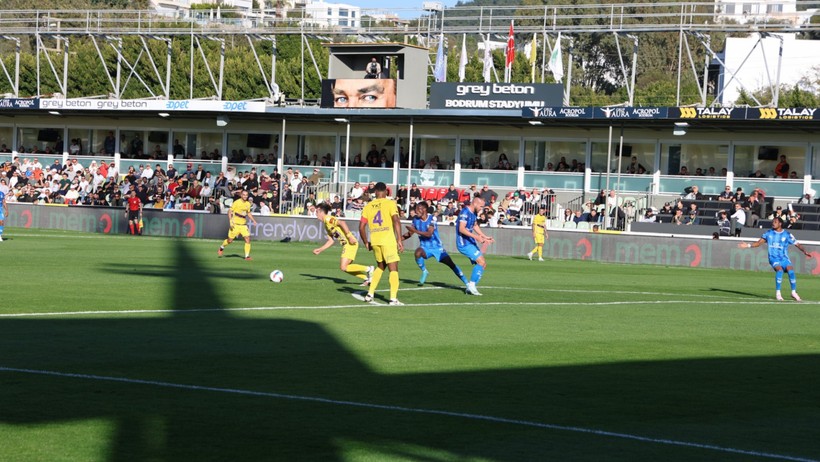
column 586, row 18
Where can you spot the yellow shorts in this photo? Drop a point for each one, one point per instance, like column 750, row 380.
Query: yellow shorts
column 349, row 251
column 539, row 239
column 239, row 230
column 386, row 253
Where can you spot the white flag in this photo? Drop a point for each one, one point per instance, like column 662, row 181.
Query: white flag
column 462, row 62
column 440, row 69
column 488, row 62
column 556, row 64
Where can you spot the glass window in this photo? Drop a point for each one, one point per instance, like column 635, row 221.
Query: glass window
column 132, row 144
column 342, row 12
column 322, row 147
column 251, row 147
column 6, row 139
column 96, row 143
column 694, row 159
column 546, row 155
column 41, row 140
column 489, row 154
column 193, row 145
column 730, row 8
column 436, row 153
column 370, row 151
column 760, row 161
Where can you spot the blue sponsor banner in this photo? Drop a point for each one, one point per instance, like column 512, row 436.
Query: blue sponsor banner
column 558, row 112
column 630, row 113
column 672, row 113
column 19, row 103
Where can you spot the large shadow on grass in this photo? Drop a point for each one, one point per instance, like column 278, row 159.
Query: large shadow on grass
column 766, row 404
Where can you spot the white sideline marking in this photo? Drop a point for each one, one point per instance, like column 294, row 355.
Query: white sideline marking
column 419, row 305
column 464, row 415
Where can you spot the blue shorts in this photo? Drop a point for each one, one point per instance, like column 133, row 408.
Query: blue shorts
column 437, row 253
column 781, row 262
column 470, row 251
column 2, row 215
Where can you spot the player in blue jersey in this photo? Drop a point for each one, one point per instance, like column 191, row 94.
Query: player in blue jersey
column 429, row 243
column 778, row 241
column 468, row 236
column 2, row 213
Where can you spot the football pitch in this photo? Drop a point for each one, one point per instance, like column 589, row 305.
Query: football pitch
column 116, row 348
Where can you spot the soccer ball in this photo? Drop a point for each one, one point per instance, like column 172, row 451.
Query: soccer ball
column 276, row 276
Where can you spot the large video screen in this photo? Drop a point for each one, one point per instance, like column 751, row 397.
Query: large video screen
column 359, row 93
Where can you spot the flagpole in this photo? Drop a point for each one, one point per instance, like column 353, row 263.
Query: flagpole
column 544, row 58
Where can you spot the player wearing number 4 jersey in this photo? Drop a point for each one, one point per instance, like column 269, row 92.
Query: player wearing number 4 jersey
column 778, row 241
column 429, row 243
column 379, row 231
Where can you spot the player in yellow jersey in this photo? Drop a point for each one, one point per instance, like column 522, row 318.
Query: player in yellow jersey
column 337, row 230
column 539, row 232
column 238, row 216
column 380, row 218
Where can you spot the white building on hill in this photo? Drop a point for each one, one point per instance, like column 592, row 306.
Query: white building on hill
column 754, row 11
column 324, row 14
column 801, row 58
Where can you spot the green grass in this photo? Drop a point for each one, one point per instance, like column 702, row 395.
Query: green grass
column 674, row 354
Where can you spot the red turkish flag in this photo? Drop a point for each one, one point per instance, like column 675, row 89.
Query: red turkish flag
column 510, row 52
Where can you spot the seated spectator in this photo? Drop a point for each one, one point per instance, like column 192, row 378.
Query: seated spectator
column 726, row 195
column 740, row 196
column 634, row 166
column 415, row 192
column 569, row 215
column 515, row 205
column 511, row 220
column 683, row 171
column 618, row 218
column 692, row 219
column 562, row 165
column 778, row 213
column 757, row 174
column 488, row 195
column 693, row 193
column 805, row 199
column 594, row 217
column 356, row 191
column 579, row 216
column 452, row 194
column 678, row 218
column 649, row 217
column 755, row 208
